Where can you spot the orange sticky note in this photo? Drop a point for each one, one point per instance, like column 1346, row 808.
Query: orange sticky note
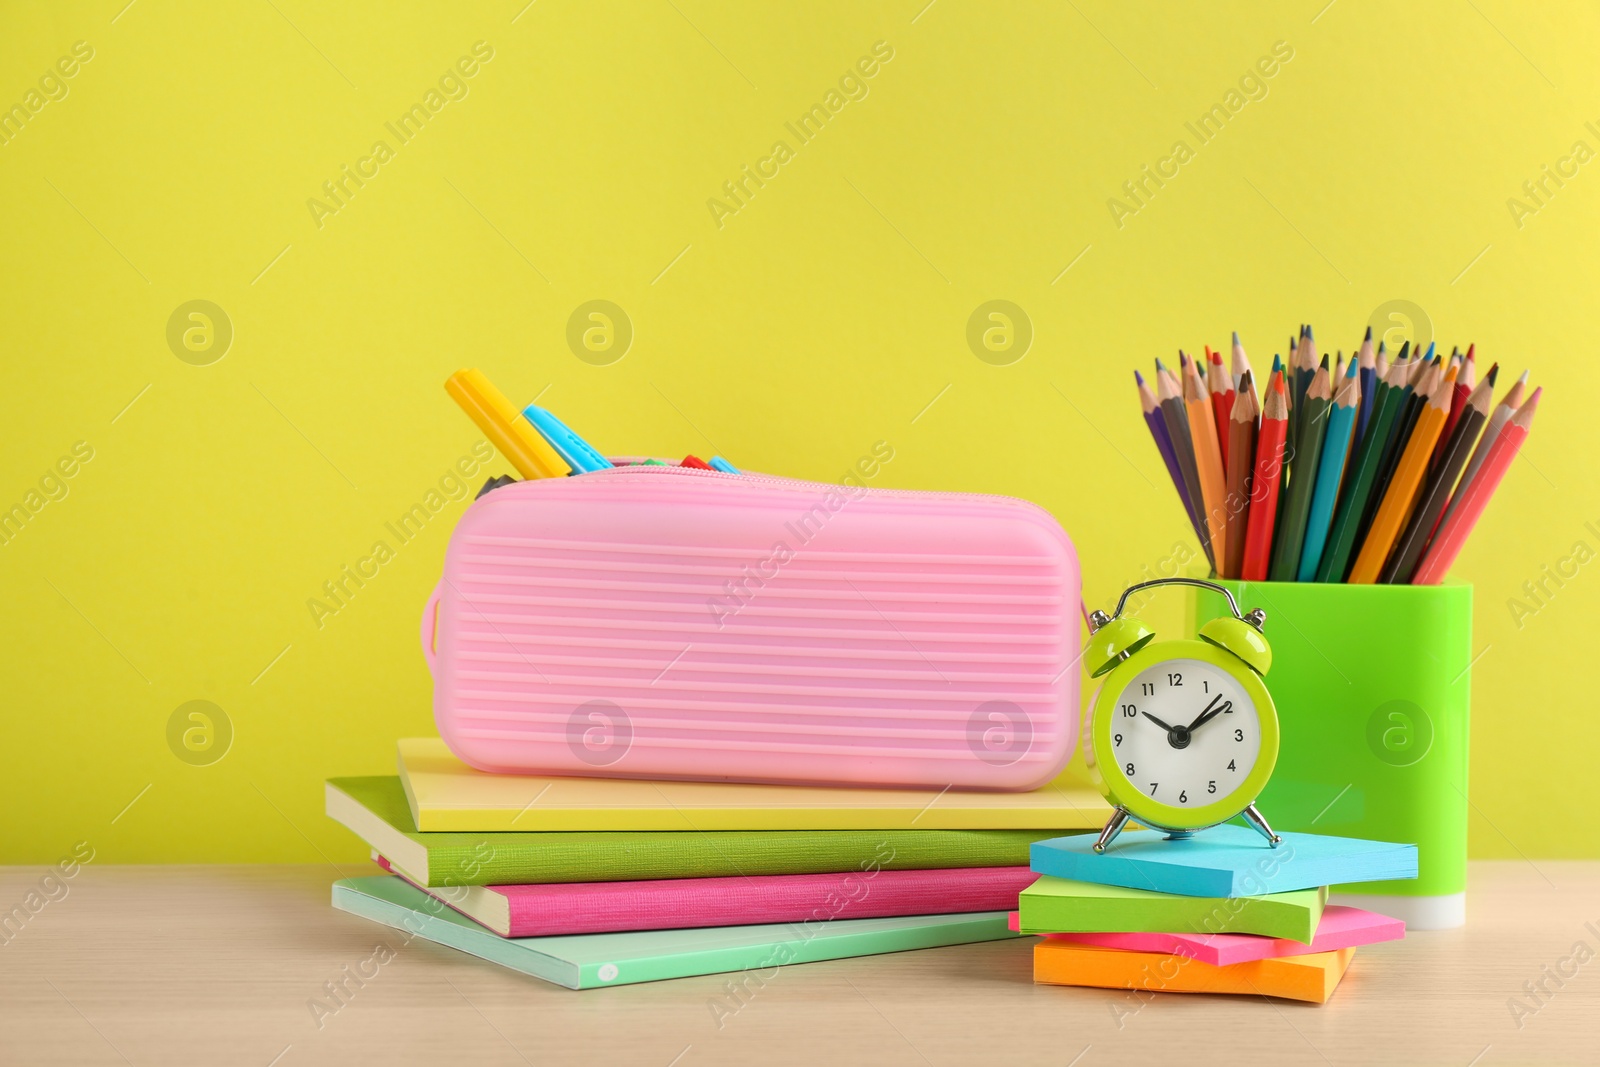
column 1312, row 977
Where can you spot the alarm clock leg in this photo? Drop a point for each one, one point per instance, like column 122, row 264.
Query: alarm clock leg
column 1253, row 817
column 1114, row 825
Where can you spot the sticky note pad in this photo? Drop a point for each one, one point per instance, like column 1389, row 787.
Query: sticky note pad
column 1311, row 978
column 1056, row 905
column 1224, row 861
column 1341, row 927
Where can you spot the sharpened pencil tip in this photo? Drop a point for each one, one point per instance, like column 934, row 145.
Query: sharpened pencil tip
column 1277, row 363
column 1494, row 372
column 1309, row 335
column 1429, row 353
column 1160, row 366
column 1369, row 334
column 1405, row 346
column 1235, row 337
column 1324, row 361
column 1137, row 376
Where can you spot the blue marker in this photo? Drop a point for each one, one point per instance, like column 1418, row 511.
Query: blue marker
column 718, row 463
column 578, row 453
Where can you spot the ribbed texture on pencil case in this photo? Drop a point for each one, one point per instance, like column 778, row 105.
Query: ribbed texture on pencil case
column 662, row 622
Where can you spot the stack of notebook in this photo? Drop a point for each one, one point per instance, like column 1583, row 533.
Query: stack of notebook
column 591, row 881
column 1219, row 912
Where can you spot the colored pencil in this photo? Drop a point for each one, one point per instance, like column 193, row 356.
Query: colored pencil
column 1416, row 368
column 1305, row 368
column 1402, row 489
column 1240, row 365
column 1244, row 376
column 1241, row 462
column 1502, row 414
column 1453, row 532
column 1428, row 358
column 1302, row 478
column 1158, row 430
column 1290, row 358
column 1359, row 486
column 1264, row 483
column 1207, row 457
column 1367, row 360
column 1441, row 479
column 1466, row 382
column 1176, row 419
column 1369, row 468
column 1330, row 471
column 1222, row 394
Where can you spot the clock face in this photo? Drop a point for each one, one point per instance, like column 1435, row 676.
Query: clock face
column 1185, row 733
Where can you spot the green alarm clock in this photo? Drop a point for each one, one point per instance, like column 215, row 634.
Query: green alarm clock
column 1182, row 735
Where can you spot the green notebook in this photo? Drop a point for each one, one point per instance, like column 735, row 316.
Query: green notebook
column 376, row 809
column 1057, row 905
column 584, row 961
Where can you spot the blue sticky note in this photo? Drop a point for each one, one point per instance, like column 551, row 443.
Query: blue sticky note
column 1224, row 861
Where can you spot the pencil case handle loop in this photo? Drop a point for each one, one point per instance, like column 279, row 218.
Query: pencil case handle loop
column 430, row 614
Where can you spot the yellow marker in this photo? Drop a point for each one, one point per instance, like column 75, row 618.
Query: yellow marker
column 505, row 427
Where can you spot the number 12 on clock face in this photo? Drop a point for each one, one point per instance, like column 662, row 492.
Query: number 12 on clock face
column 1185, row 733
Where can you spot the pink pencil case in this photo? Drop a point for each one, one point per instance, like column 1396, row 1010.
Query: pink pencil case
column 668, row 622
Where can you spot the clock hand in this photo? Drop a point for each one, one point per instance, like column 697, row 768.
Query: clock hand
column 1157, row 721
column 1204, row 715
column 1209, row 715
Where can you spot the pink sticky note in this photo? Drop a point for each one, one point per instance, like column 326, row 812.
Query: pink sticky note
column 1341, row 927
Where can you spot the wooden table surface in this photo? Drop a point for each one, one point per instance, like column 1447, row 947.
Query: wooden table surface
column 217, row 965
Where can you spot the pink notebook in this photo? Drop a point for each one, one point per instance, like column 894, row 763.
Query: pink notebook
column 1341, row 927
column 683, row 903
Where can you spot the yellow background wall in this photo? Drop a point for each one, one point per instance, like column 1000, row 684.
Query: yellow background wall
column 829, row 312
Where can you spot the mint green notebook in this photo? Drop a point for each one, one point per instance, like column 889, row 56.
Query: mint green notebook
column 1057, row 905
column 585, row 961
column 376, row 809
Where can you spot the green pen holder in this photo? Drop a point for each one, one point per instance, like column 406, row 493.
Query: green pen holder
column 1372, row 686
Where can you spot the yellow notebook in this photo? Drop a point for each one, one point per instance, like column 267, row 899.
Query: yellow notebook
column 446, row 794
column 1311, row 977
